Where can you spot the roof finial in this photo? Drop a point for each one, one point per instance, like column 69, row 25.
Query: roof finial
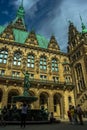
column 22, row 3
column 80, row 18
column 84, row 30
column 83, row 26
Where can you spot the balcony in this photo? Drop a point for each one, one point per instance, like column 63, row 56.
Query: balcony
column 38, row 83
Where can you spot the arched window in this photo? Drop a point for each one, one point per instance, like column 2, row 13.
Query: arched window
column 17, row 59
column 30, row 61
column 3, row 56
column 69, row 99
column 54, row 65
column 44, row 100
column 43, row 63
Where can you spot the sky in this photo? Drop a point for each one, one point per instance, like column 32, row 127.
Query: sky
column 47, row 17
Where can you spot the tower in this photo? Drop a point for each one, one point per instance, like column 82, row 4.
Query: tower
column 77, row 51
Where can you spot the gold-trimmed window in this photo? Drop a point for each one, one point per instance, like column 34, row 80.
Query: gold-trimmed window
column 54, row 65
column 17, row 59
column 30, row 61
column 3, row 56
column 43, row 63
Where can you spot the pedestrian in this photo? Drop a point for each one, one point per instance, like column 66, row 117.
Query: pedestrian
column 80, row 113
column 69, row 115
column 24, row 111
column 75, row 115
column 52, row 119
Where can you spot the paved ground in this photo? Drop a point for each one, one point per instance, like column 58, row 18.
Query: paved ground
column 59, row 126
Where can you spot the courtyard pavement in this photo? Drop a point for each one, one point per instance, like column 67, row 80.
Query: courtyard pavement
column 56, row 126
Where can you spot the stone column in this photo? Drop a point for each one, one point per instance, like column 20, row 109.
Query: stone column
column 4, row 99
column 50, row 104
column 62, row 107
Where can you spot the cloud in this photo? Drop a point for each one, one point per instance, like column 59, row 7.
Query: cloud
column 52, row 17
column 57, row 23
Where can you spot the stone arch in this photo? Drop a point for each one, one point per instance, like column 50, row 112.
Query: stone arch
column 57, row 104
column 55, row 57
column 31, row 106
column 31, row 53
column 43, row 100
column 5, row 48
column 43, row 55
column 12, row 92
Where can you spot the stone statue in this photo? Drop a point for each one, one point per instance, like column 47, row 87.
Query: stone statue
column 26, row 83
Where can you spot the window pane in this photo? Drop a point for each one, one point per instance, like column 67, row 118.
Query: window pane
column 0, row 60
column 32, row 65
column 14, row 63
column 19, row 63
column 4, row 61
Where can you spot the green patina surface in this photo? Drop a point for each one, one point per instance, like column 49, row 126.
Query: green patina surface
column 43, row 43
column 21, row 36
column 2, row 28
column 84, row 30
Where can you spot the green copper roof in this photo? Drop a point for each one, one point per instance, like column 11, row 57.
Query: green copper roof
column 20, row 36
column 43, row 43
column 2, row 28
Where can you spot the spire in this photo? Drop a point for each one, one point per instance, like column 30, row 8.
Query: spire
column 19, row 22
column 84, row 29
column 21, row 12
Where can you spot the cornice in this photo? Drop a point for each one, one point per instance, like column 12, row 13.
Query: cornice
column 32, row 47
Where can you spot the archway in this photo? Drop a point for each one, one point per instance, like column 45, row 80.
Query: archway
column 10, row 95
column 32, row 94
column 57, row 104
column 44, row 100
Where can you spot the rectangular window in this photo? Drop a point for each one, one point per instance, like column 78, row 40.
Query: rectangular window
column 19, row 63
column 43, row 77
column 55, row 79
column 2, row 72
column 15, row 74
column 0, row 60
column 4, row 61
column 14, row 63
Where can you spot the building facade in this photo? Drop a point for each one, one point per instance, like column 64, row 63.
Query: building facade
column 58, row 79
column 77, row 51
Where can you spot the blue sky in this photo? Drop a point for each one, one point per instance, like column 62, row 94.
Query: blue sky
column 47, row 17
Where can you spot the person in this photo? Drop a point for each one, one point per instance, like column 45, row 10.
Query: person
column 79, row 113
column 75, row 115
column 24, row 111
column 72, row 114
column 52, row 119
column 69, row 115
